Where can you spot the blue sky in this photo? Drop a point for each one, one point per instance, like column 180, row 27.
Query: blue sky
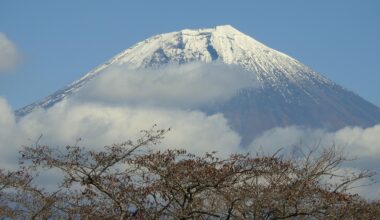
column 61, row 41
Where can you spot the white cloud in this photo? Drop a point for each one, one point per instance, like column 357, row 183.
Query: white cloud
column 8, row 140
column 99, row 125
column 187, row 85
column 7, row 119
column 287, row 137
column 360, row 143
column 120, row 102
column 115, row 106
column 9, row 55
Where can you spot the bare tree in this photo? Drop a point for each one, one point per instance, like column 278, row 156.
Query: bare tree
column 20, row 199
column 105, row 183
column 246, row 187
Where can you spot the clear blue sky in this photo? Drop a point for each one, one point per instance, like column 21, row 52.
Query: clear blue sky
column 62, row 40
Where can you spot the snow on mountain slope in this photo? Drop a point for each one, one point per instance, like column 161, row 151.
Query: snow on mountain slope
column 222, row 43
column 290, row 92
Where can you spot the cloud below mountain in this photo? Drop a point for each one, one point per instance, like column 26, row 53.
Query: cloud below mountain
column 9, row 55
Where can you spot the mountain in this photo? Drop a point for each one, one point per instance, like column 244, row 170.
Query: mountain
column 290, row 93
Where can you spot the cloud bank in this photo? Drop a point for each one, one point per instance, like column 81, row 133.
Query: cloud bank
column 9, row 55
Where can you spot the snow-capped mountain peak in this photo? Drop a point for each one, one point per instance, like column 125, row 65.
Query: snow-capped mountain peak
column 223, row 43
column 290, row 92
